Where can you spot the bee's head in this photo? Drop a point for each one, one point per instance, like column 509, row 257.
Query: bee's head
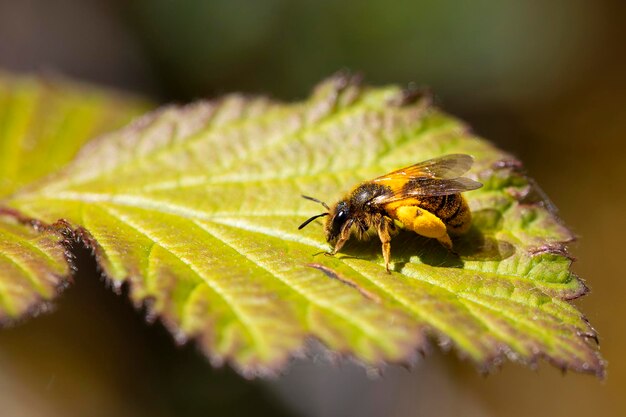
column 338, row 217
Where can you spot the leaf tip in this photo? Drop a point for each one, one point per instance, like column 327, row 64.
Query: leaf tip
column 413, row 94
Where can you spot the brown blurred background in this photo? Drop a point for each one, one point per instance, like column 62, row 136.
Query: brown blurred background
column 543, row 80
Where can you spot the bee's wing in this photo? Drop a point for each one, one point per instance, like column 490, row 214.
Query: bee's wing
column 444, row 167
column 435, row 186
column 435, row 177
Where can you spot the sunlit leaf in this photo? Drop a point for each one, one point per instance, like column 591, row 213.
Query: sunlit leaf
column 32, row 268
column 198, row 208
column 43, row 123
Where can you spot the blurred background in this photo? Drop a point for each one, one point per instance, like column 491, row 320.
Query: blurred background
column 543, row 80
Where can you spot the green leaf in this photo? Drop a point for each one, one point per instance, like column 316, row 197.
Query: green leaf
column 32, row 268
column 197, row 207
column 43, row 123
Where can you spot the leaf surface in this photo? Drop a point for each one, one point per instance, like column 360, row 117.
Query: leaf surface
column 198, row 208
column 32, row 268
column 43, row 123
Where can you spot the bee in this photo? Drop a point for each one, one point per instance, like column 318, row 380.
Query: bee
column 425, row 198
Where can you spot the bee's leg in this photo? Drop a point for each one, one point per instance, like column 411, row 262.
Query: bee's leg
column 343, row 238
column 424, row 223
column 385, row 237
column 445, row 241
column 340, row 242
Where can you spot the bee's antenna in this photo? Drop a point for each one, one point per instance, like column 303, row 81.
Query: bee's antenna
column 311, row 219
column 317, row 201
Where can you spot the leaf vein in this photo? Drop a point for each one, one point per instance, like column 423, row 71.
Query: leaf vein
column 237, row 313
column 320, row 302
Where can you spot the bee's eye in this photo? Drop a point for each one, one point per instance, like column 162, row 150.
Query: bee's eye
column 339, row 220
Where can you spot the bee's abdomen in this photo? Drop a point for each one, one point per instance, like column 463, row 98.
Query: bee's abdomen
column 451, row 209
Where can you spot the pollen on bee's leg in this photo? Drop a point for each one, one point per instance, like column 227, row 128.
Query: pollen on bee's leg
column 445, row 241
column 423, row 222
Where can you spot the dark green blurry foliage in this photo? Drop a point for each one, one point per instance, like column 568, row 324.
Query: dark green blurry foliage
column 485, row 49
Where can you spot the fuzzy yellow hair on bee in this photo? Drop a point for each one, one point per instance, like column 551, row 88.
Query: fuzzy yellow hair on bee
column 425, row 198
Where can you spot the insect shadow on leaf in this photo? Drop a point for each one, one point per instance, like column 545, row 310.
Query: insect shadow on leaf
column 478, row 244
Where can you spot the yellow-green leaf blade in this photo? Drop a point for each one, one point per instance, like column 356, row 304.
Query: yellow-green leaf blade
column 43, row 123
column 198, row 207
column 32, row 268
